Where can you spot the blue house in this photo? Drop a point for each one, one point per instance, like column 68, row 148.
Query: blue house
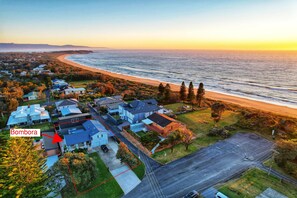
column 91, row 135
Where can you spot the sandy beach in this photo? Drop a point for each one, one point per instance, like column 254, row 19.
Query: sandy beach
column 277, row 109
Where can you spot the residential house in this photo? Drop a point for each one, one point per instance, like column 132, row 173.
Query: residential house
column 50, row 149
column 59, row 84
column 73, row 120
column 162, row 124
column 28, row 115
column 111, row 103
column 66, row 104
column 30, row 96
column 92, row 135
column 78, row 91
column 23, row 73
column 137, row 110
column 70, row 111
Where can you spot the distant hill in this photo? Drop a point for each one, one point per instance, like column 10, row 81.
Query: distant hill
column 14, row 47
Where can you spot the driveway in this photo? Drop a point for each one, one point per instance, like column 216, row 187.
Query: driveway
column 205, row 168
column 125, row 177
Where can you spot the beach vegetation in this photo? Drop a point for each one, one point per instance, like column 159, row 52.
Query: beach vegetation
column 183, row 92
column 200, row 94
column 216, row 111
column 191, row 94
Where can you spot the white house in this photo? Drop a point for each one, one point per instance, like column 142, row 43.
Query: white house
column 68, row 103
column 23, row 73
column 31, row 96
column 92, row 135
column 74, row 91
column 28, row 115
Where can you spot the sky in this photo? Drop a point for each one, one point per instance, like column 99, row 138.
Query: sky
column 152, row 24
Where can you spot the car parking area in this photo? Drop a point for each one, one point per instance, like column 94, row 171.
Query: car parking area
column 125, row 177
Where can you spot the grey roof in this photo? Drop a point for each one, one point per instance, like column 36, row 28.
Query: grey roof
column 109, row 100
column 48, row 145
column 141, row 106
column 74, row 116
column 269, row 192
column 70, row 110
column 94, row 126
column 66, row 102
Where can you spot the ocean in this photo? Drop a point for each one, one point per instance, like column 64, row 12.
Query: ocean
column 263, row 76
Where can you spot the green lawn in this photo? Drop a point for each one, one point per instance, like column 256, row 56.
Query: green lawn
column 140, row 171
column 108, row 189
column 81, row 83
column 31, row 102
column 174, row 107
column 200, row 122
column 141, row 133
column 271, row 163
column 42, row 126
column 253, row 182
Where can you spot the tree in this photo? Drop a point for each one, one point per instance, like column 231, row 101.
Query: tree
column 167, row 92
column 22, row 169
column 13, row 104
column 161, row 89
column 125, row 155
column 200, row 94
column 183, row 92
column 191, row 94
column 76, row 168
column 150, row 139
column 287, row 150
column 186, row 137
column 48, row 82
column 174, row 138
column 216, row 111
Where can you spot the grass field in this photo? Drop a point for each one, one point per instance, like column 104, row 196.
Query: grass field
column 31, row 102
column 271, row 163
column 42, row 126
column 140, row 171
column 82, row 83
column 254, row 182
column 108, row 189
column 174, row 107
column 200, row 122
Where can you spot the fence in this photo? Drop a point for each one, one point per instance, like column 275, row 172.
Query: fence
column 135, row 142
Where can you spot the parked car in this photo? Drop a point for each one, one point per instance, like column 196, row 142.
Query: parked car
column 104, row 148
column 220, row 195
column 192, row 194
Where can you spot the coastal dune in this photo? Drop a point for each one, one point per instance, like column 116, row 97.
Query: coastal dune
column 272, row 108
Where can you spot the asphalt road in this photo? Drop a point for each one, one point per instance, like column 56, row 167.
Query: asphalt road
column 207, row 167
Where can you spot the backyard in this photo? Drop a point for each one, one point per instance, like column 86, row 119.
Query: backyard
column 200, row 122
column 254, row 182
column 105, row 185
column 81, row 83
column 31, row 102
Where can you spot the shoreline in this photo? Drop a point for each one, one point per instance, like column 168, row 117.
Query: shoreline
column 241, row 101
